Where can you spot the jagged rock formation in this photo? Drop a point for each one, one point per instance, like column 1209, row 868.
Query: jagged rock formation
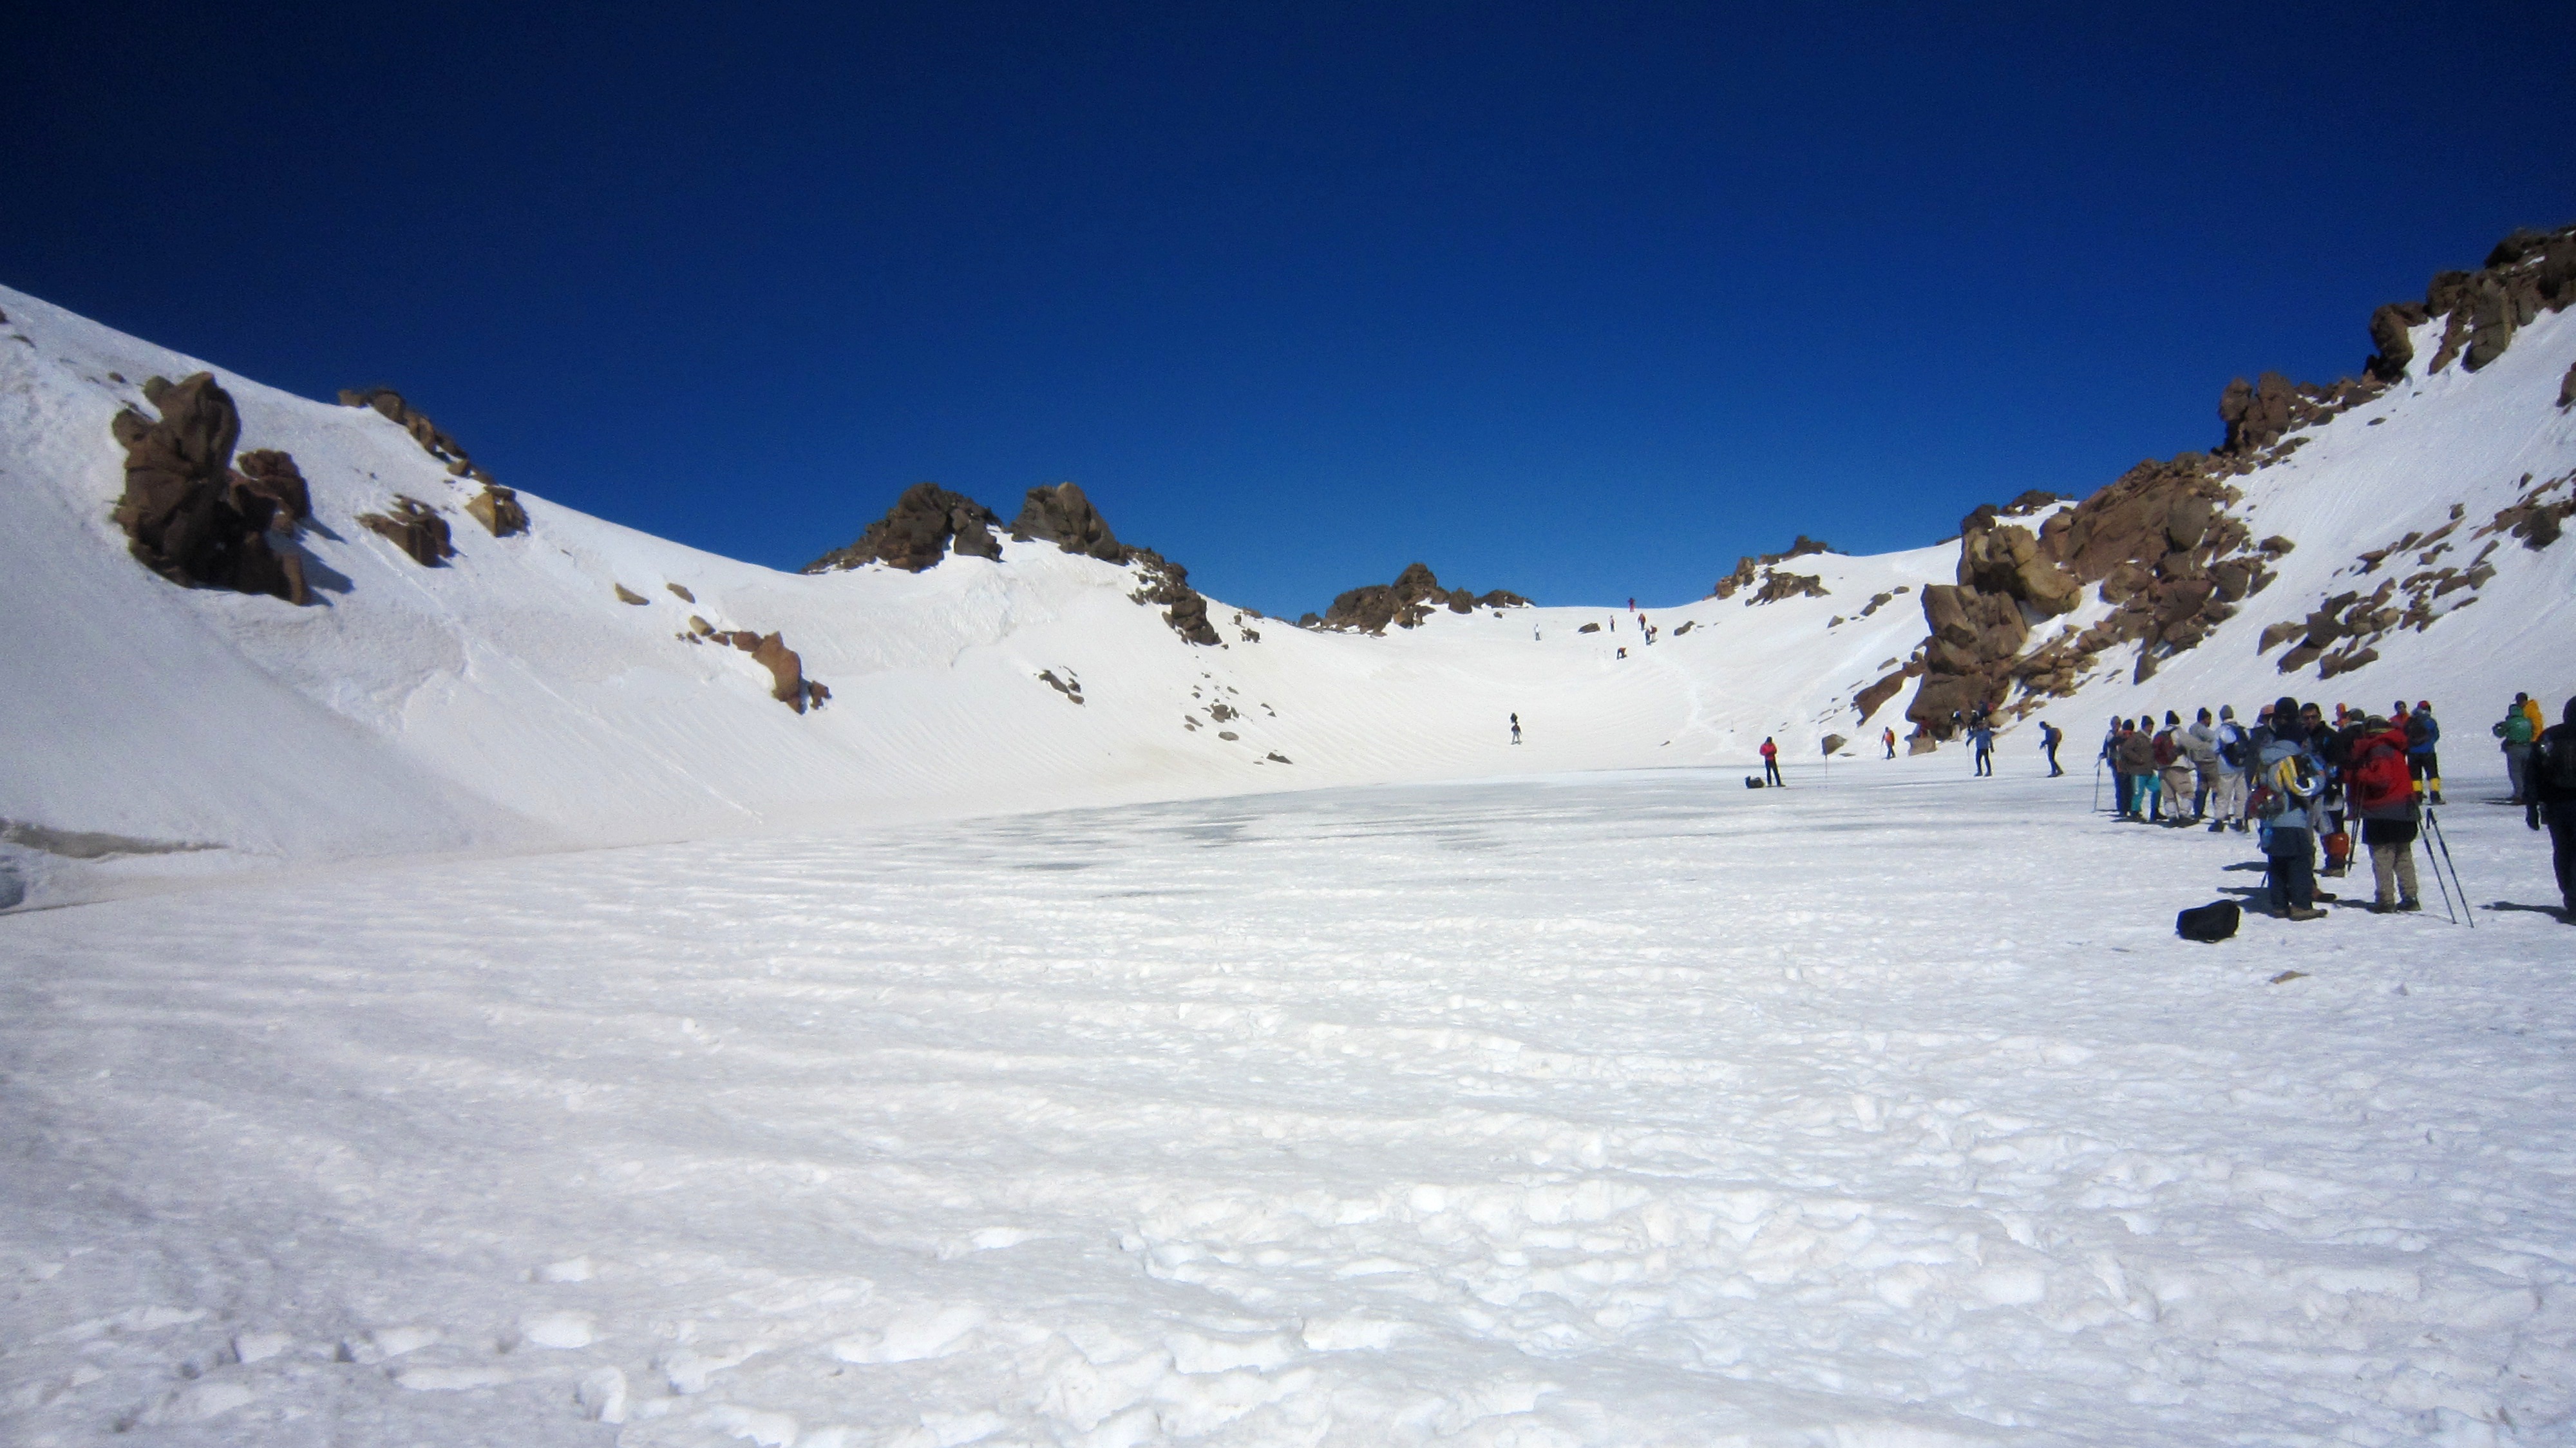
column 1749, row 568
column 1405, row 603
column 1063, row 516
column 273, row 475
column 432, row 438
column 497, row 509
column 2161, row 546
column 1165, row 583
column 918, row 531
column 413, row 527
column 628, row 595
column 788, row 684
column 187, row 514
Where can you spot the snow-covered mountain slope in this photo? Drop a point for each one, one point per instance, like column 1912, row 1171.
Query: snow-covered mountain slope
column 509, row 700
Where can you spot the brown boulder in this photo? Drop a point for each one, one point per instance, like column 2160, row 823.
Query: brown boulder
column 497, row 509
column 1062, row 515
column 273, row 475
column 1167, row 584
column 413, row 527
column 2256, row 413
column 2388, row 329
column 2009, row 560
column 924, row 526
column 1868, row 700
column 786, row 671
column 628, row 595
column 186, row 514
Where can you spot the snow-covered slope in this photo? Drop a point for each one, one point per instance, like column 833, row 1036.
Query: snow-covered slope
column 509, row 700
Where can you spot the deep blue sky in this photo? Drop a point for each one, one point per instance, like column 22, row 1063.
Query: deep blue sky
column 1581, row 300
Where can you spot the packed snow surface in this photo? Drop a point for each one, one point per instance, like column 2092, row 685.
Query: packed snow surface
column 1622, row 1109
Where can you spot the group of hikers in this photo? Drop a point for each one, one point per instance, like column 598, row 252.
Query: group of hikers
column 2300, row 779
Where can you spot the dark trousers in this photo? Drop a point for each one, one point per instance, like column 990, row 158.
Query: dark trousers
column 2121, row 786
column 2292, row 879
column 2052, row 760
column 2561, row 818
column 1771, row 772
column 1985, row 761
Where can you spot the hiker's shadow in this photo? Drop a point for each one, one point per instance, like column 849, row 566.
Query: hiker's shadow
column 2552, row 911
column 2257, row 866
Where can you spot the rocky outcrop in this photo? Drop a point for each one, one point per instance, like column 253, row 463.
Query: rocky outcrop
column 1166, row 584
column 2527, row 273
column 923, row 527
column 1777, row 585
column 1405, row 603
column 1061, row 515
column 2158, row 544
column 627, row 595
column 788, row 684
column 273, row 475
column 187, row 514
column 415, row 528
column 1749, row 569
column 432, row 438
column 2567, row 387
column 497, row 509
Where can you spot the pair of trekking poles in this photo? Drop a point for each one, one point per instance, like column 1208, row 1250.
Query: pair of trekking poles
column 2435, row 826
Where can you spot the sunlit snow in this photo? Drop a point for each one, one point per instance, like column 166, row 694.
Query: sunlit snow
column 1622, row 1109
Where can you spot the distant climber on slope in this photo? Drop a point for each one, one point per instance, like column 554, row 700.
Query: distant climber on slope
column 2050, row 736
column 1771, row 763
column 1516, row 728
column 1888, row 738
column 1981, row 738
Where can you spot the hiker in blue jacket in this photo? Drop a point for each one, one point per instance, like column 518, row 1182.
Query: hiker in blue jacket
column 2423, row 746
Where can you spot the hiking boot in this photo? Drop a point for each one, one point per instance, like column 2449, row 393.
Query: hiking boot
column 2410, row 906
column 2295, row 913
column 2382, row 907
column 2241, row 827
column 2215, row 826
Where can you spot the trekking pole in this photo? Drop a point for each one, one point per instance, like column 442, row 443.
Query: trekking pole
column 2440, row 839
column 2438, row 882
column 2097, row 786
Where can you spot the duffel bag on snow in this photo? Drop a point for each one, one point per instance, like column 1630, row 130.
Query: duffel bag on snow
column 2208, row 923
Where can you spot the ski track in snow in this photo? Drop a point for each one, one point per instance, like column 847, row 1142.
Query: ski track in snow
column 1621, row 1109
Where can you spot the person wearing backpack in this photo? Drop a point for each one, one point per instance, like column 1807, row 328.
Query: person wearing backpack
column 2553, row 799
column 2172, row 769
column 2050, row 736
column 2135, row 758
column 2515, row 733
column 2382, row 791
column 2423, row 735
column 2290, row 791
column 2235, row 752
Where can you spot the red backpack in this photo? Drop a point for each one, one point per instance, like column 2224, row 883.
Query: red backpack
column 2382, row 779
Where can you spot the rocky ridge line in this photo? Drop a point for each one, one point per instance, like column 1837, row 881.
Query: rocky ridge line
column 1405, row 603
column 2162, row 547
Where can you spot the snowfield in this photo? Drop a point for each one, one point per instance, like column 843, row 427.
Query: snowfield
column 1615, row 1109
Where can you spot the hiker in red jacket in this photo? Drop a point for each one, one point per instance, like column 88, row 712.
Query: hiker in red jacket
column 2382, row 791
column 1771, row 763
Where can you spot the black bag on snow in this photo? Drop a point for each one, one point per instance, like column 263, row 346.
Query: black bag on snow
column 2209, row 923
